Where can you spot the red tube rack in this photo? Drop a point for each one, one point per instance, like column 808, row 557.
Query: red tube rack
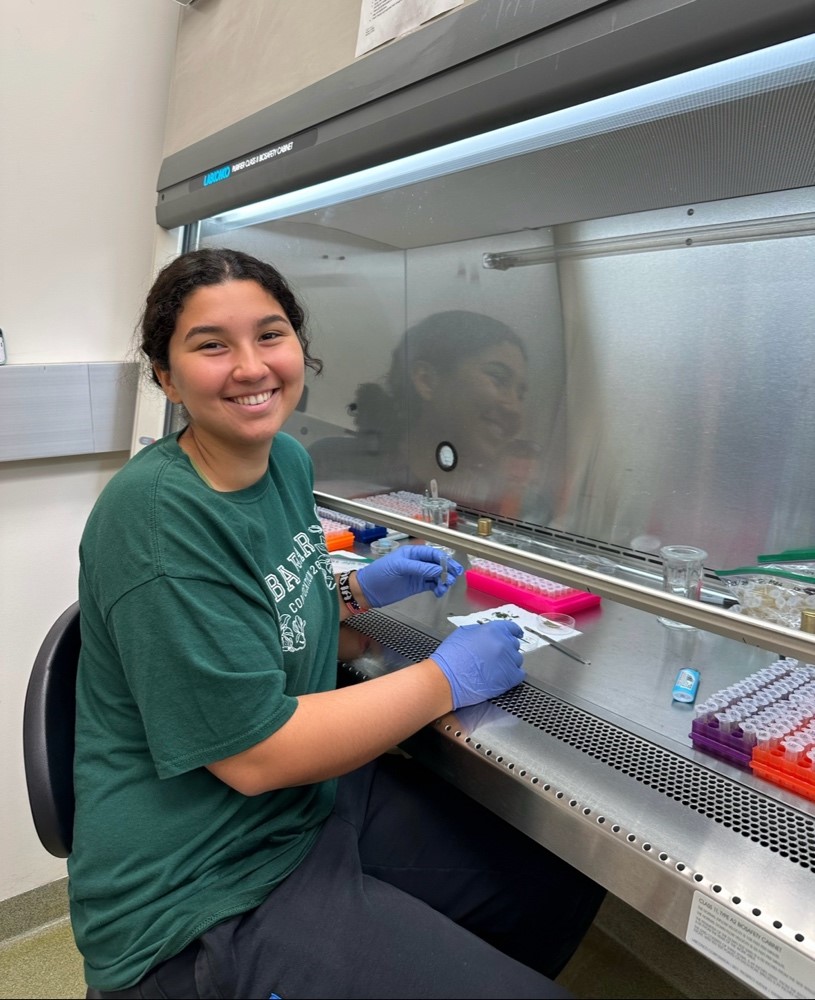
column 796, row 776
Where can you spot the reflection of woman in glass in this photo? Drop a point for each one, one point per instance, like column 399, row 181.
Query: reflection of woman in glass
column 456, row 377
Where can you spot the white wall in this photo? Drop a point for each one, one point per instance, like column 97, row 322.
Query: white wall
column 84, row 88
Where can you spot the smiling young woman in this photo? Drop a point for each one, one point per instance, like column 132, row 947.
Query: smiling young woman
column 237, row 365
column 239, row 828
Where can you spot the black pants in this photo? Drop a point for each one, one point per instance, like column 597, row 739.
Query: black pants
column 412, row 890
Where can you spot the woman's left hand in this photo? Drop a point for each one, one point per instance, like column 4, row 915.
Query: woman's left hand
column 407, row 571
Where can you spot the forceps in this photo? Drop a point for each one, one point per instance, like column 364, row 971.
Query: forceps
column 557, row 645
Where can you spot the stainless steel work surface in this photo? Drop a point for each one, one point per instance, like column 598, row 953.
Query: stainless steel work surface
column 596, row 762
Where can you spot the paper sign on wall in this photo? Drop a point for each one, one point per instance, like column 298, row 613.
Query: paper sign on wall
column 381, row 21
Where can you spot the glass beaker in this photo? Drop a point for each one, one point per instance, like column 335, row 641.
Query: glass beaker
column 682, row 571
column 436, row 510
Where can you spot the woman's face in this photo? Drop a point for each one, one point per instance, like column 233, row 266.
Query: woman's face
column 236, row 364
column 478, row 406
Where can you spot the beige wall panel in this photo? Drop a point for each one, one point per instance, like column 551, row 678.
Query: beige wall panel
column 236, row 58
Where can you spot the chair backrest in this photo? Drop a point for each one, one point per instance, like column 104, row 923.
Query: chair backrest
column 48, row 733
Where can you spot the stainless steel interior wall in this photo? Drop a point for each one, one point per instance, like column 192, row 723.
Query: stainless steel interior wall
column 670, row 389
column 651, row 257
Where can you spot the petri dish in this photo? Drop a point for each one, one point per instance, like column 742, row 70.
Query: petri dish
column 599, row 564
column 382, row 546
column 555, row 622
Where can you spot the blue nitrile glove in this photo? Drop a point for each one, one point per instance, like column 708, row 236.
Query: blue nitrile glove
column 408, row 570
column 481, row 661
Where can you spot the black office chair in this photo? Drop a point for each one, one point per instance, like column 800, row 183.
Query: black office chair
column 48, row 734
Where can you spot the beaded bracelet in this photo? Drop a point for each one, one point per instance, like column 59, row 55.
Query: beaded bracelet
column 348, row 598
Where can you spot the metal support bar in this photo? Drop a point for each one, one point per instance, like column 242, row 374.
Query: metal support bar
column 732, row 625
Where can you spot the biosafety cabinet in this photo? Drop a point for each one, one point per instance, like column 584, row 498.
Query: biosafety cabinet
column 561, row 267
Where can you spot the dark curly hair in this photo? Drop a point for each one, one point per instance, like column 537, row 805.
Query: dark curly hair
column 211, row 266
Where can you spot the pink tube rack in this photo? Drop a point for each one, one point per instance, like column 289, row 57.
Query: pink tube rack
column 534, row 593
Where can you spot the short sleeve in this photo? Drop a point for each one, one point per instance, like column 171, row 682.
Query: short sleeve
column 205, row 668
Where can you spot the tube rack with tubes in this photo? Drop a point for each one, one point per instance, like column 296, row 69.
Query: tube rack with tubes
column 534, row 593
column 405, row 503
column 765, row 722
column 363, row 531
column 337, row 535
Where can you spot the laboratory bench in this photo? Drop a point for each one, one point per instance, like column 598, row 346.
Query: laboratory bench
column 595, row 761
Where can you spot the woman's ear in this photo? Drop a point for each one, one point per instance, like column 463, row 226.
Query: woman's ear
column 425, row 379
column 166, row 382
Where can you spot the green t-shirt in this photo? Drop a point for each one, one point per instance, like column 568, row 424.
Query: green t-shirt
column 203, row 616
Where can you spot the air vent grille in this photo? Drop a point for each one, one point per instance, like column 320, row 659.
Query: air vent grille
column 770, row 824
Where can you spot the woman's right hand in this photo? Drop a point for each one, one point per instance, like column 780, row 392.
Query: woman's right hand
column 481, row 661
column 332, row 732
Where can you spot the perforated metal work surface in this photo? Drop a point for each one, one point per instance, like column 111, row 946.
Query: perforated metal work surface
column 408, row 642
column 769, row 824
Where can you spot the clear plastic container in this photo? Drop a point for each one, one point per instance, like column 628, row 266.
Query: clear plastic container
column 773, row 595
column 383, row 546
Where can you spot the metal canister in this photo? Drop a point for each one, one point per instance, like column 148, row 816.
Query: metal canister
column 485, row 526
column 808, row 620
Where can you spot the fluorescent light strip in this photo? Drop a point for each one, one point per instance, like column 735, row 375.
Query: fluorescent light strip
column 755, row 72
